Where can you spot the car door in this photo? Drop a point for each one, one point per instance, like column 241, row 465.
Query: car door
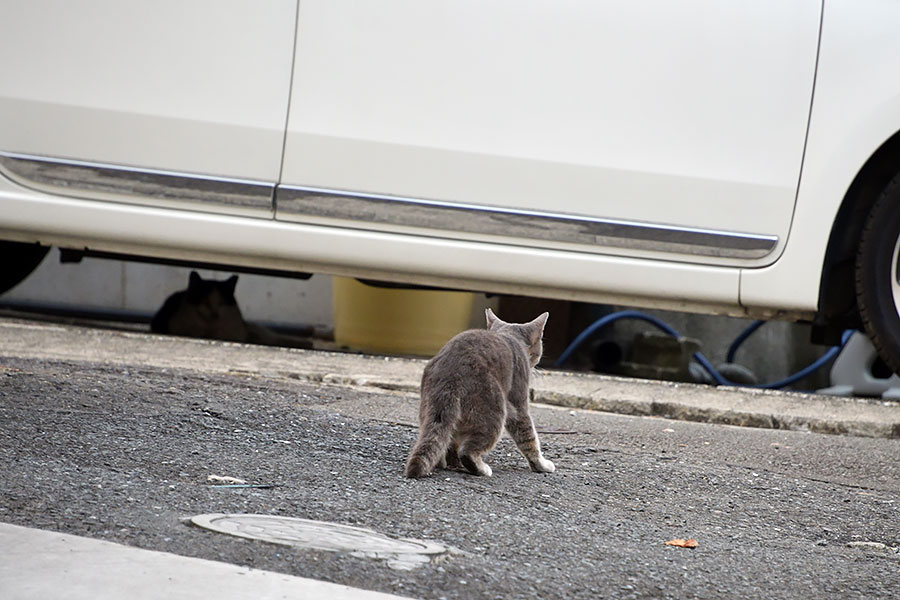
column 649, row 128
column 161, row 103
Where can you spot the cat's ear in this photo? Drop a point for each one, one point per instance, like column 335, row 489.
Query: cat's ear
column 537, row 326
column 493, row 321
column 195, row 289
column 230, row 284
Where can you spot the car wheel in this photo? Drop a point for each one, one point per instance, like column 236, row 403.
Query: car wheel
column 877, row 279
column 17, row 261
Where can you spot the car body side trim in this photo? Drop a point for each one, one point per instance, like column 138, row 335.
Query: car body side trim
column 150, row 186
column 147, row 186
column 296, row 203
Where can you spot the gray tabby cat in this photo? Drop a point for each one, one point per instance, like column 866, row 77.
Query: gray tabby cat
column 474, row 387
column 208, row 309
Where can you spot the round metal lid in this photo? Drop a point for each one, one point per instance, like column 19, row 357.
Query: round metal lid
column 322, row 535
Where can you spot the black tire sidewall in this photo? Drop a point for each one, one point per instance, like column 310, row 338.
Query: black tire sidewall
column 873, row 275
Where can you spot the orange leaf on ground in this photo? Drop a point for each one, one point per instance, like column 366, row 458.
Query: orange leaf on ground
column 681, row 543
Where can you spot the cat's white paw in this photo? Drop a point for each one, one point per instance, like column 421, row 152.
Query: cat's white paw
column 544, row 466
column 476, row 466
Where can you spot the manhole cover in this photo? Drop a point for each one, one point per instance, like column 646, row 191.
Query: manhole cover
column 401, row 553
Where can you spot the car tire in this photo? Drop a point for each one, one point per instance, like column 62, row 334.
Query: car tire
column 877, row 285
column 17, row 261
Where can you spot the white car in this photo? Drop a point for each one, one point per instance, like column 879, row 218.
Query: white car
column 731, row 157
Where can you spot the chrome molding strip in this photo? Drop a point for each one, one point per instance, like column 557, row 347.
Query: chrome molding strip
column 297, row 202
column 93, row 180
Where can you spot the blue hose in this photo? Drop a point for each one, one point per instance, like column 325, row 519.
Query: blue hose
column 741, row 338
column 698, row 356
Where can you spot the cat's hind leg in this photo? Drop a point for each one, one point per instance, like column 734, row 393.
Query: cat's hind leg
column 451, row 460
column 481, row 425
column 475, row 465
column 475, row 445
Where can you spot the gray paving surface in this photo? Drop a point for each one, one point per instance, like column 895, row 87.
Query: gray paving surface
column 112, row 436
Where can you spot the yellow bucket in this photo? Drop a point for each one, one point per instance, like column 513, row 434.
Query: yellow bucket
column 397, row 321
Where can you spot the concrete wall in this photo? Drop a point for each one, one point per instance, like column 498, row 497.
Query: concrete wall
column 773, row 352
column 99, row 284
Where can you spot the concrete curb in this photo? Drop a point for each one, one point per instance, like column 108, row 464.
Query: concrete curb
column 688, row 402
column 724, row 405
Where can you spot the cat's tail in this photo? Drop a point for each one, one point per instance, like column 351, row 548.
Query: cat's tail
column 435, row 435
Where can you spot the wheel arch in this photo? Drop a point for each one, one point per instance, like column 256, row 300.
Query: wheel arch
column 837, row 290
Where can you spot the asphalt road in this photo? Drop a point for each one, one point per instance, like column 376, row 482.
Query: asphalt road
column 123, row 452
